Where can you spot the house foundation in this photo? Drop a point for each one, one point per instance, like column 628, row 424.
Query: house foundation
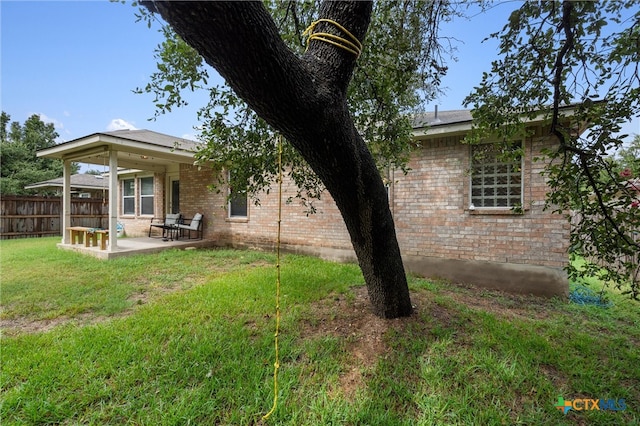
column 510, row 277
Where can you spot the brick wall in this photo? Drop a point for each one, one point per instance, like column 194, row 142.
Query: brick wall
column 324, row 229
column 430, row 206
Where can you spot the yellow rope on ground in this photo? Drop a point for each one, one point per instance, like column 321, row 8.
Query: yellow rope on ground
column 276, row 365
column 354, row 46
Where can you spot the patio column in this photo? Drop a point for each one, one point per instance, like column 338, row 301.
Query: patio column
column 66, row 201
column 113, row 200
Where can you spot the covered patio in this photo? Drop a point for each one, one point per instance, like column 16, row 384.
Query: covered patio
column 137, row 150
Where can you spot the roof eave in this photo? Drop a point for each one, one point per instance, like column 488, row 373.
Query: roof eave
column 463, row 127
column 59, row 185
column 449, row 129
column 92, row 144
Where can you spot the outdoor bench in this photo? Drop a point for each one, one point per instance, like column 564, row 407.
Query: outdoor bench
column 85, row 234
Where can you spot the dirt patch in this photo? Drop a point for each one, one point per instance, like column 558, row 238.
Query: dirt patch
column 512, row 306
column 350, row 317
column 24, row 325
column 558, row 379
column 27, row 325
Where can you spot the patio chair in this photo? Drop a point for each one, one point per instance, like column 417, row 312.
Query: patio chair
column 168, row 225
column 191, row 225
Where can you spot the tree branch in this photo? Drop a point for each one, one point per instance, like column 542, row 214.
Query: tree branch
column 212, row 28
column 234, row 37
column 567, row 27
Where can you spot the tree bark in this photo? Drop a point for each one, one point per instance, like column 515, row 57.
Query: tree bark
column 304, row 98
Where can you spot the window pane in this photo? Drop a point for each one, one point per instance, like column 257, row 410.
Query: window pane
column 128, row 187
column 238, row 198
column 146, row 205
column 128, row 206
column 238, row 205
column 175, row 196
column 495, row 182
column 146, row 186
column 128, row 196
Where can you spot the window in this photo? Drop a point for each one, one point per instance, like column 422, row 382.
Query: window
column 146, row 196
column 175, row 196
column 496, row 176
column 128, row 196
column 238, row 206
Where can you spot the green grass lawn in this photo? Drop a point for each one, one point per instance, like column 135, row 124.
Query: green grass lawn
column 186, row 337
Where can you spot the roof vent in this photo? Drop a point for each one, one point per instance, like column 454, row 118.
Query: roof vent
column 435, row 116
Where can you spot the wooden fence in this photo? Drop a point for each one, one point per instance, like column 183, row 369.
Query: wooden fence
column 633, row 258
column 25, row 216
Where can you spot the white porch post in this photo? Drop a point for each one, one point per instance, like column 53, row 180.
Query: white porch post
column 66, row 202
column 113, row 200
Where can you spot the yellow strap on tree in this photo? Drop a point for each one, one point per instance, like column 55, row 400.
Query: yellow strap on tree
column 276, row 364
column 353, row 46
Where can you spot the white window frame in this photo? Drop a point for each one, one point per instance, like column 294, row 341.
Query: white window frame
column 128, row 197
column 147, row 196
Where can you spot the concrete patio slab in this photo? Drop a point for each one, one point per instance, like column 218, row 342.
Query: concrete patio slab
column 131, row 246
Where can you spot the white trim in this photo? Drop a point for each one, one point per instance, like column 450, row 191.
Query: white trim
column 113, row 201
column 152, row 195
column 66, row 202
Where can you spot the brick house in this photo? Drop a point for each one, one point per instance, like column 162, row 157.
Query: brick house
column 461, row 213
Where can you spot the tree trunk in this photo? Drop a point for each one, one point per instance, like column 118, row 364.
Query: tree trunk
column 304, row 98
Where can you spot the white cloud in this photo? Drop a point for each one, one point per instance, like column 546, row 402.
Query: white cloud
column 45, row 119
column 120, row 124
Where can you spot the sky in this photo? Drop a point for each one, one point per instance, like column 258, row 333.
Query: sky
column 76, row 64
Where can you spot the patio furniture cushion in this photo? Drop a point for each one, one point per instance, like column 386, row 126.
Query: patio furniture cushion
column 192, row 225
column 168, row 224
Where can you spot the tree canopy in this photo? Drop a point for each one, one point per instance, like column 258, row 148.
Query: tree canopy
column 397, row 73
column 299, row 88
column 554, row 54
column 18, row 146
column 628, row 159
